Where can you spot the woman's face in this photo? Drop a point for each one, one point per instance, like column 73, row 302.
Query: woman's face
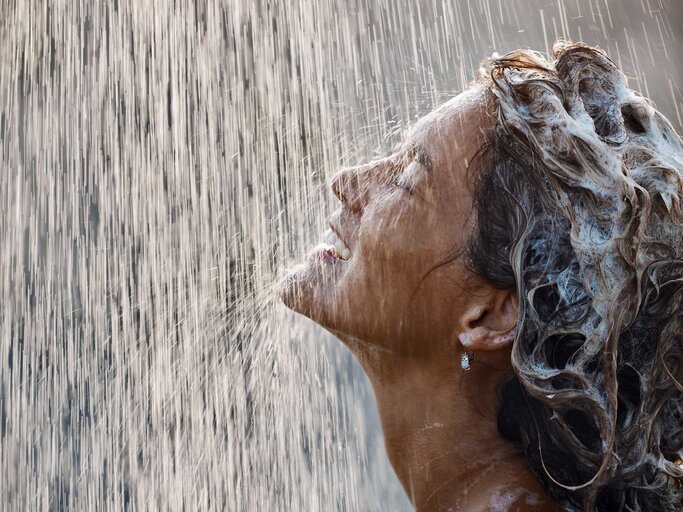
column 386, row 273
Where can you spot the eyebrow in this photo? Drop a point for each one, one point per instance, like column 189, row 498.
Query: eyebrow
column 420, row 154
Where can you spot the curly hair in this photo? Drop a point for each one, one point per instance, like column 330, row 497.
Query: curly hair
column 580, row 209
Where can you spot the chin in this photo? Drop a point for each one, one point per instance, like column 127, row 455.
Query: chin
column 311, row 288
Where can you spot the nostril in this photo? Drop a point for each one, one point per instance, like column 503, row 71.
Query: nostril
column 340, row 185
column 345, row 186
column 353, row 185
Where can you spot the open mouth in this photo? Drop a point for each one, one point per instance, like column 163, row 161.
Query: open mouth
column 334, row 246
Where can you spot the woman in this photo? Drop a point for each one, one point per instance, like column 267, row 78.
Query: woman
column 512, row 283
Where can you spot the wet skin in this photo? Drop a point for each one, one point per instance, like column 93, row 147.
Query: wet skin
column 407, row 306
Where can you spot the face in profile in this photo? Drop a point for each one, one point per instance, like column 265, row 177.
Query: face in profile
column 541, row 266
column 391, row 270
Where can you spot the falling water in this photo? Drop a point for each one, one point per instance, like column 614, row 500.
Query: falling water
column 161, row 167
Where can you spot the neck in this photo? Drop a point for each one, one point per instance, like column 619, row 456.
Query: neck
column 441, row 433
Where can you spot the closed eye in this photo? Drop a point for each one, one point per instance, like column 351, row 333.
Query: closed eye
column 409, row 179
column 404, row 177
column 400, row 182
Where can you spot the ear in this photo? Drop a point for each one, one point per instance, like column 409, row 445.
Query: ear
column 490, row 321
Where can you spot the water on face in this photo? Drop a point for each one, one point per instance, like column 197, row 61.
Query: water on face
column 160, row 168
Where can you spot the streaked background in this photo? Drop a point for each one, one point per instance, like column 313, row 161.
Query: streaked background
column 161, row 164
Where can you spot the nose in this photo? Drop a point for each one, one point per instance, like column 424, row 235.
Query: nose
column 345, row 185
column 352, row 186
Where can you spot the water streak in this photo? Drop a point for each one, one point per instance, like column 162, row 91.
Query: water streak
column 161, row 165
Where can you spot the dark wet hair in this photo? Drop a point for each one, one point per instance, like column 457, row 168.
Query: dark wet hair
column 579, row 207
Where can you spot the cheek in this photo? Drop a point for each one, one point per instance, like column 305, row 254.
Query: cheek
column 393, row 229
column 385, row 266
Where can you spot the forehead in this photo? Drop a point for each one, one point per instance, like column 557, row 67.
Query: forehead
column 462, row 122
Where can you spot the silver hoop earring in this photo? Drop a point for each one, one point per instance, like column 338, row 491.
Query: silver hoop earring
column 466, row 360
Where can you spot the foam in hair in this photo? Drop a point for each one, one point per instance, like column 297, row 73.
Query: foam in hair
column 603, row 240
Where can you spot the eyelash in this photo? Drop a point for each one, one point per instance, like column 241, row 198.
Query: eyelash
column 397, row 183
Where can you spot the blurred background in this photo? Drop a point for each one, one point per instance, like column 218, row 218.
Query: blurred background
column 161, row 165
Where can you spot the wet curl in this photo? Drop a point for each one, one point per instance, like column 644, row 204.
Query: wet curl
column 580, row 209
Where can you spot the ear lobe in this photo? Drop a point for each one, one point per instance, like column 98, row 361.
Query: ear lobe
column 491, row 322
